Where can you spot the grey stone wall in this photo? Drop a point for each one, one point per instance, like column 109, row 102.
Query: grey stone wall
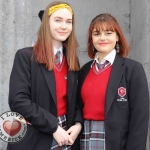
column 140, row 38
column 15, row 33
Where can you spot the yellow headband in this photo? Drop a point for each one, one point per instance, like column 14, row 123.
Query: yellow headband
column 57, row 7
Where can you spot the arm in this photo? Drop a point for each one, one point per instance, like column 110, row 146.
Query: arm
column 20, row 95
column 62, row 137
column 78, row 107
column 74, row 130
column 139, row 109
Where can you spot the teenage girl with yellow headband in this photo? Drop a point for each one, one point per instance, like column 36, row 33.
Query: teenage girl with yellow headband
column 43, row 84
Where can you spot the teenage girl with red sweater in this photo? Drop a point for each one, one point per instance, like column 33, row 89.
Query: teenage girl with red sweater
column 113, row 91
column 43, row 84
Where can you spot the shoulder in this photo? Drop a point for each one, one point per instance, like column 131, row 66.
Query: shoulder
column 86, row 66
column 132, row 63
column 23, row 56
column 27, row 51
column 24, row 53
column 134, row 68
column 22, row 60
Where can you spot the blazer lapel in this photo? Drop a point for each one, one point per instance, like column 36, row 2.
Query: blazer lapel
column 115, row 77
column 83, row 73
column 50, row 80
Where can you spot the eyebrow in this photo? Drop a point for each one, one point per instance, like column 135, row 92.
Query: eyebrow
column 103, row 30
column 62, row 18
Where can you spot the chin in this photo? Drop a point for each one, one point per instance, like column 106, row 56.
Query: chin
column 103, row 51
column 62, row 39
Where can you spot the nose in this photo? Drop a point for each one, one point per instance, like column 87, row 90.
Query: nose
column 102, row 37
column 63, row 25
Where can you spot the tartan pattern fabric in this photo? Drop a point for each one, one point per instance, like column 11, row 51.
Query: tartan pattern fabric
column 93, row 136
column 55, row 146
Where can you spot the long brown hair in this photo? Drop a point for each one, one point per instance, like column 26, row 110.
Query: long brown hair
column 43, row 48
column 107, row 22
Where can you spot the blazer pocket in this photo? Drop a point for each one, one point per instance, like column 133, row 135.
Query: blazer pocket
column 124, row 136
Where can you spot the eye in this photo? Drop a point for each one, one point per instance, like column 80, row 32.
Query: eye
column 108, row 32
column 95, row 33
column 69, row 22
column 57, row 20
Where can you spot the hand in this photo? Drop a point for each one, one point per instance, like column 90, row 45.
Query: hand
column 62, row 137
column 73, row 131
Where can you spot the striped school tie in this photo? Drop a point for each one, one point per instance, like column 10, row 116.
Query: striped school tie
column 57, row 58
column 102, row 66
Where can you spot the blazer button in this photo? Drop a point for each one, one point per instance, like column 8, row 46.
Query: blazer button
column 70, row 107
column 106, row 117
column 106, row 137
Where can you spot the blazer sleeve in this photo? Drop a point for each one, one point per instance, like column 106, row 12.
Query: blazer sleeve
column 20, row 95
column 78, row 113
column 139, row 109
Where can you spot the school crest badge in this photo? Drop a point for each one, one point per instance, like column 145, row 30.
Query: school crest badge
column 122, row 91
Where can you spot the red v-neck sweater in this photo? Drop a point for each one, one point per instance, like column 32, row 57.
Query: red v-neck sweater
column 93, row 94
column 61, row 88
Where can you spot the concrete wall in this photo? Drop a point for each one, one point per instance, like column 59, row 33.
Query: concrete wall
column 140, row 38
column 15, row 33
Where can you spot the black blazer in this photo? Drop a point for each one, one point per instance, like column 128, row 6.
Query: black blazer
column 126, row 120
column 33, row 95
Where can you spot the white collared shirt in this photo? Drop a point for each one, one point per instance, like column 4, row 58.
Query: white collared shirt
column 61, row 52
column 110, row 57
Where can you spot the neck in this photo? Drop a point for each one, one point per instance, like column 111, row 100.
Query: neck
column 101, row 56
column 57, row 44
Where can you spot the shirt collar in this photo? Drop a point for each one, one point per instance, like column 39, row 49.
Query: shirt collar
column 110, row 57
column 55, row 50
column 61, row 52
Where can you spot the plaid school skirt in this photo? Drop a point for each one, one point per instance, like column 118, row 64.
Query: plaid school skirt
column 55, row 146
column 93, row 136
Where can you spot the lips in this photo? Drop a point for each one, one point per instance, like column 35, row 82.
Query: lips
column 103, row 44
column 62, row 33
